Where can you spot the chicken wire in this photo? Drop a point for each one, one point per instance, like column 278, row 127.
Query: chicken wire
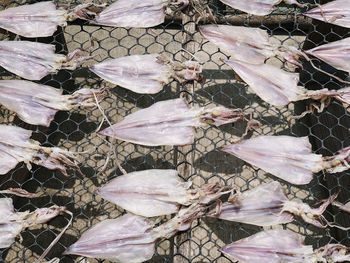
column 201, row 162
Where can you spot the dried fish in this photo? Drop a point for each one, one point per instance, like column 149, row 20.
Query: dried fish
column 289, row 158
column 131, row 238
column 33, row 60
column 169, row 122
column 259, row 7
column 137, row 192
column 146, row 74
column 134, row 13
column 37, row 104
column 12, row 223
column 282, row 246
column 16, row 146
column 35, row 20
column 336, row 12
column 274, row 208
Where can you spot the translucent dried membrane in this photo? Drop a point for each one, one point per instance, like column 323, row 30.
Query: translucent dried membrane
column 135, row 13
column 258, row 7
column 169, row 122
column 12, row 223
column 37, row 104
column 336, row 12
column 33, row 60
column 267, row 205
column 146, row 74
column 336, row 54
column 156, row 192
column 241, row 43
column 131, row 238
column 282, row 246
column 289, row 158
column 343, row 207
column 35, row 20
column 279, row 87
column 253, row 46
column 16, row 146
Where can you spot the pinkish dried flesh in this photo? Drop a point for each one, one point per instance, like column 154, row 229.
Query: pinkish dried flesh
column 126, row 239
column 16, row 146
column 343, row 207
column 279, row 87
column 336, row 54
column 336, row 12
column 282, row 246
column 289, row 158
column 137, row 193
column 37, row 104
column 12, row 223
column 146, row 74
column 33, row 60
column 133, row 13
column 250, row 208
column 273, row 246
column 35, row 20
column 169, row 122
column 258, row 7
column 270, row 83
column 274, row 208
column 253, row 46
column 131, row 238
column 241, row 43
column 254, row 7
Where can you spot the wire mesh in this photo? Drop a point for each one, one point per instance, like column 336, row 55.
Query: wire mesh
column 201, row 162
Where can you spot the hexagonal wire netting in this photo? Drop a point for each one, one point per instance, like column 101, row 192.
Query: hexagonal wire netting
column 201, row 162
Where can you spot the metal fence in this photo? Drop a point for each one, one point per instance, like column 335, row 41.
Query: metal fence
column 201, row 162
